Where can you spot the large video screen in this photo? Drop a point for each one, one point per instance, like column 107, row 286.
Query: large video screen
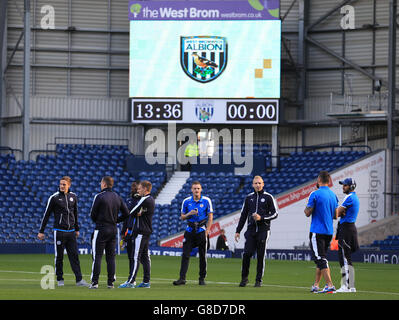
column 204, row 58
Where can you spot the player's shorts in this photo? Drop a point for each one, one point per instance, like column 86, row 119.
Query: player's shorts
column 319, row 244
column 347, row 237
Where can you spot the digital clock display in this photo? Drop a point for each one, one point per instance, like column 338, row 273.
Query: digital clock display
column 251, row 111
column 157, row 110
column 201, row 111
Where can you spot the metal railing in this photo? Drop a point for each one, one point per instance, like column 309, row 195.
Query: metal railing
column 333, row 148
column 124, row 142
column 8, row 149
column 348, row 103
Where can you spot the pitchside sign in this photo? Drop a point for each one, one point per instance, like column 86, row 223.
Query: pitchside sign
column 189, row 61
column 291, row 228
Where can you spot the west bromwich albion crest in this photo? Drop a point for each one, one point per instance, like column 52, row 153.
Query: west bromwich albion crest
column 204, row 111
column 203, row 58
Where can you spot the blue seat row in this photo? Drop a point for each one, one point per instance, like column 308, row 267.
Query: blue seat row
column 88, row 163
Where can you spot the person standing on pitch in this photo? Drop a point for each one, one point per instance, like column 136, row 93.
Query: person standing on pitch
column 347, row 234
column 198, row 211
column 127, row 227
column 63, row 204
column 221, row 242
column 104, row 213
column 142, row 214
column 321, row 206
column 258, row 210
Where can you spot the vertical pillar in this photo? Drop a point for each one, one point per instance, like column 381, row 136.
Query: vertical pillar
column 3, row 59
column 274, row 145
column 391, row 106
column 26, row 86
column 302, row 60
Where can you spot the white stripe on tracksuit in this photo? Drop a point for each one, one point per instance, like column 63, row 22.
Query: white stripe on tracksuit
column 315, row 249
column 346, row 264
column 48, row 203
column 314, row 246
column 139, row 203
column 93, row 246
column 264, row 255
column 55, row 251
column 346, row 268
column 137, row 244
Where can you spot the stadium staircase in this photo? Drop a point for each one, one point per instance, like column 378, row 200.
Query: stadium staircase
column 172, row 187
column 26, row 185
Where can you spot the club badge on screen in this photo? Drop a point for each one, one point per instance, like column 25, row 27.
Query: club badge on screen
column 203, row 58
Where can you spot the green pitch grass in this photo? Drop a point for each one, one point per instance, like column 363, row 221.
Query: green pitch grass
column 20, row 279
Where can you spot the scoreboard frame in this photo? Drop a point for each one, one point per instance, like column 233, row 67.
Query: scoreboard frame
column 204, row 110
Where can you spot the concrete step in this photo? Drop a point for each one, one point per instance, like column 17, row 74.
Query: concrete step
column 172, row 187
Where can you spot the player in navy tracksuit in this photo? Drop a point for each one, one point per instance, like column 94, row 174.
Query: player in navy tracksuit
column 127, row 227
column 258, row 209
column 63, row 204
column 104, row 213
column 142, row 229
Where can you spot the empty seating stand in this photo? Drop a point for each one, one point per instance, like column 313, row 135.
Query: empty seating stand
column 391, row 242
column 26, row 185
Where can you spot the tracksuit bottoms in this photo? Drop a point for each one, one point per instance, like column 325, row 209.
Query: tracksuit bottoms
column 66, row 240
column 104, row 238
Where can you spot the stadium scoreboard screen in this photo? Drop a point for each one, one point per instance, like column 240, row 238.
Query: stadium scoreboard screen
column 204, row 62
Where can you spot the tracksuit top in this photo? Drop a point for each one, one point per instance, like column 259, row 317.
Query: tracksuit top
column 65, row 209
column 131, row 202
column 262, row 203
column 197, row 222
column 105, row 208
column 351, row 203
column 143, row 223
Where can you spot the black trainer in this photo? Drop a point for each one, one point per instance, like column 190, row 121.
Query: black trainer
column 243, row 283
column 201, row 282
column 179, row 282
column 258, row 284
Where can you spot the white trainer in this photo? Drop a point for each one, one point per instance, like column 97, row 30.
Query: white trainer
column 82, row 283
column 352, row 290
column 343, row 289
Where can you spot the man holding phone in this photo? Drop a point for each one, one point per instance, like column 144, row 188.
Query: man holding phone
column 198, row 211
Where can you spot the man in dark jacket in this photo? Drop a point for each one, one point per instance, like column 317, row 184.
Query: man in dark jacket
column 142, row 229
column 221, row 242
column 258, row 209
column 127, row 227
column 63, row 204
column 104, row 213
